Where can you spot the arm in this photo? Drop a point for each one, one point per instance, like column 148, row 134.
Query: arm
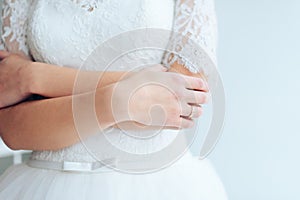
column 45, row 79
column 55, row 81
column 37, row 125
column 32, row 125
column 49, row 124
column 34, row 77
column 194, row 24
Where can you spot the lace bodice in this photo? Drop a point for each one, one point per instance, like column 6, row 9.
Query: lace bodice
column 65, row 32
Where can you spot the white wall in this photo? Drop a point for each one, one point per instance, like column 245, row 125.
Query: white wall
column 259, row 58
column 258, row 154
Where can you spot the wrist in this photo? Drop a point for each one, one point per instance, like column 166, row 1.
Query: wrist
column 33, row 73
column 104, row 106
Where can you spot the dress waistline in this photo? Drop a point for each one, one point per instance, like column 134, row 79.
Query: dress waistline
column 107, row 165
column 70, row 166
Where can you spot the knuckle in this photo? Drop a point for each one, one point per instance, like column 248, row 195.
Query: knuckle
column 177, row 79
column 175, row 110
column 178, row 94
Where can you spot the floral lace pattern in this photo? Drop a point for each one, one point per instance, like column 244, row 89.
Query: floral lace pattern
column 14, row 20
column 195, row 29
column 44, row 28
column 87, row 4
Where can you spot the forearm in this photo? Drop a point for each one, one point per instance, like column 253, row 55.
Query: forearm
column 49, row 124
column 55, row 81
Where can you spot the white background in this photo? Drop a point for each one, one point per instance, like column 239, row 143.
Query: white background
column 259, row 59
column 258, row 156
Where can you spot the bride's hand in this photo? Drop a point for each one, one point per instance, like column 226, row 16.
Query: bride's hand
column 159, row 98
column 15, row 79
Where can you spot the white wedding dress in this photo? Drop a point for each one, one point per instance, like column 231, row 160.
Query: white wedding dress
column 65, row 32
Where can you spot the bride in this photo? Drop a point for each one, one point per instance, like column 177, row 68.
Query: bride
column 45, row 43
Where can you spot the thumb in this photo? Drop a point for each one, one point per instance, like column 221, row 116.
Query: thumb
column 4, row 54
column 157, row 68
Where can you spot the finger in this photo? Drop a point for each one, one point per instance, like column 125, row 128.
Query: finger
column 4, row 54
column 180, row 122
column 186, row 109
column 197, row 111
column 174, row 119
column 185, row 123
column 193, row 111
column 194, row 83
column 196, row 97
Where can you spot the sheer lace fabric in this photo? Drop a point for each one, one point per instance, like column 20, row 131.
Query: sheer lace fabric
column 88, row 5
column 44, row 29
column 194, row 30
column 14, row 26
column 194, row 23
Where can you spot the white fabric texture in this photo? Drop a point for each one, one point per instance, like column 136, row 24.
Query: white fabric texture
column 43, row 29
column 14, row 23
column 194, row 26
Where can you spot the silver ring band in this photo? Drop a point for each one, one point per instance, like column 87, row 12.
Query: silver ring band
column 192, row 110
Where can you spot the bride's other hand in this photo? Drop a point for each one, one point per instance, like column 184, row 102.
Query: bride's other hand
column 159, row 98
column 15, row 78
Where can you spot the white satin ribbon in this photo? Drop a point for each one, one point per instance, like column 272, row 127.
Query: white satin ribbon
column 68, row 166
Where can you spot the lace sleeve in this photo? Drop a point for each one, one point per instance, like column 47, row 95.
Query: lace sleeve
column 14, row 26
column 194, row 38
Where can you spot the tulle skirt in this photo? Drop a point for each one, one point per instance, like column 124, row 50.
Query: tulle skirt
column 187, row 179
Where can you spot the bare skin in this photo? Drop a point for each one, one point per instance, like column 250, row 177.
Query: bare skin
column 26, row 126
column 43, row 79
